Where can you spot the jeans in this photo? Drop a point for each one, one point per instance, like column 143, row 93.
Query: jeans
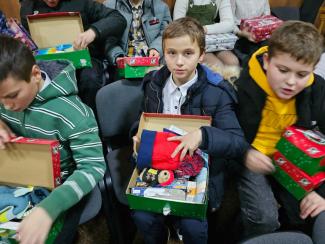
column 259, row 197
column 290, row 217
column 259, row 208
column 153, row 229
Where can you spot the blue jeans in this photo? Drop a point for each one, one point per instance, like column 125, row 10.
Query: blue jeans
column 153, row 229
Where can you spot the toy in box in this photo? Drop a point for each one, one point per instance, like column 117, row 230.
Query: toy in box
column 300, row 161
column 38, row 161
column 260, row 27
column 176, row 203
column 54, row 34
column 135, row 67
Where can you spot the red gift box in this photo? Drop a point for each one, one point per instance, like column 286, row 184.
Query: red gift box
column 260, row 27
column 135, row 67
column 300, row 161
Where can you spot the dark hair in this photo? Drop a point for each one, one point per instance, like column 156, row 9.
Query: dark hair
column 186, row 26
column 299, row 39
column 16, row 59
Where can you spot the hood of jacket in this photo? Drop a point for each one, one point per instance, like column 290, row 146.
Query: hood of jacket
column 63, row 81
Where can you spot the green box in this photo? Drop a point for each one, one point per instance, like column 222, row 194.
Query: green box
column 7, row 234
column 135, row 67
column 300, row 161
column 51, row 30
column 158, row 122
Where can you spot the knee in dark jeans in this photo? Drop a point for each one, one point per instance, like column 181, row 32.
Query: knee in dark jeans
column 194, row 231
column 261, row 221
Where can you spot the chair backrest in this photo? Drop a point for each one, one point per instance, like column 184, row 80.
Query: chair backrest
column 118, row 105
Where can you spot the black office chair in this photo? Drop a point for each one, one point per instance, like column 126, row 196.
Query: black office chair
column 118, row 106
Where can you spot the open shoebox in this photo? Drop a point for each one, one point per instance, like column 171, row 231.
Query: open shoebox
column 29, row 162
column 54, row 34
column 170, row 206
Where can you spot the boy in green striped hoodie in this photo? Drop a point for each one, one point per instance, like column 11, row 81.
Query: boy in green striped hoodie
column 40, row 101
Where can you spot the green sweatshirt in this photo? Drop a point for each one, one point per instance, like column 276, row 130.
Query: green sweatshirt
column 57, row 113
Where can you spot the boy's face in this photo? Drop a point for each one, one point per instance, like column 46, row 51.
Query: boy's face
column 17, row 95
column 286, row 76
column 52, row 3
column 182, row 56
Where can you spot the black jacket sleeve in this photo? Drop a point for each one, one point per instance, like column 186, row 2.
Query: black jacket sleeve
column 225, row 139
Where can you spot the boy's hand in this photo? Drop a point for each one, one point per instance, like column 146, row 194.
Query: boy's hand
column 153, row 53
column 136, row 142
column 246, row 35
column 35, row 227
column 311, row 205
column 84, row 39
column 189, row 143
column 5, row 134
column 257, row 162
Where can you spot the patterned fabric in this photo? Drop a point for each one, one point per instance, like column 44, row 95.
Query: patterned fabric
column 57, row 113
column 137, row 41
column 190, row 166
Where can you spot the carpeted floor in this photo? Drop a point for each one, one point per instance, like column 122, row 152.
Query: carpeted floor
column 96, row 232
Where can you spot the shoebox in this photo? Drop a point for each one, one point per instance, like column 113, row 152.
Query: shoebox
column 183, row 208
column 260, row 27
column 135, row 67
column 30, row 162
column 300, row 161
column 220, row 42
column 54, row 34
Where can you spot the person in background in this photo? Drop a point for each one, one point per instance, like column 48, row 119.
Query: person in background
column 103, row 29
column 146, row 21
column 207, row 12
column 247, row 9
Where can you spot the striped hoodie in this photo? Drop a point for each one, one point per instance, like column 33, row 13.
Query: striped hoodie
column 57, row 113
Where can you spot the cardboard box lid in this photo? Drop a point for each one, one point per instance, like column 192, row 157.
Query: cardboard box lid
column 155, row 121
column 308, row 141
column 27, row 161
column 52, row 29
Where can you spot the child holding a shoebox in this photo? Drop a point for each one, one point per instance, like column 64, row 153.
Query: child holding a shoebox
column 140, row 46
column 185, row 87
column 278, row 90
column 40, row 101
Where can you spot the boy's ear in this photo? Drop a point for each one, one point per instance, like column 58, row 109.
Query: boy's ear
column 266, row 60
column 201, row 57
column 36, row 73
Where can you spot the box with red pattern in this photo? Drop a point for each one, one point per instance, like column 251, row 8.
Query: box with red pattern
column 300, row 161
column 260, row 27
column 135, row 67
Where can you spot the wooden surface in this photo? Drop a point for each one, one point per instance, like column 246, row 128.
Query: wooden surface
column 286, row 3
column 10, row 8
